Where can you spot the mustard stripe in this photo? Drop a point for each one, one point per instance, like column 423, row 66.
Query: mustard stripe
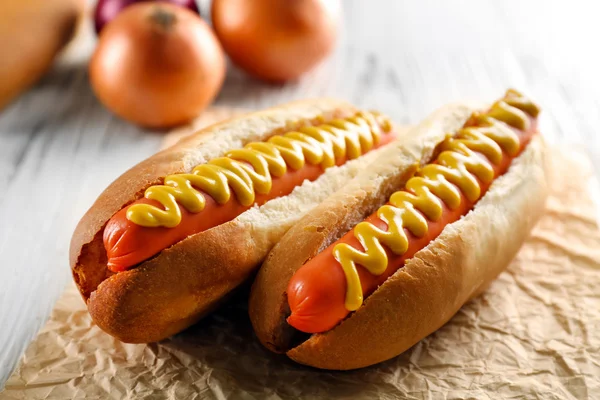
column 457, row 167
column 316, row 145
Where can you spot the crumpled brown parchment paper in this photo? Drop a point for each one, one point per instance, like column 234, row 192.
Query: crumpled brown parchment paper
column 534, row 334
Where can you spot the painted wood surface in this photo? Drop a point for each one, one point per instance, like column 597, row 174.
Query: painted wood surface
column 59, row 148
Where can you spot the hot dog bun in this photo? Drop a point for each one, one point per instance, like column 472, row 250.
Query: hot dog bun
column 423, row 295
column 169, row 292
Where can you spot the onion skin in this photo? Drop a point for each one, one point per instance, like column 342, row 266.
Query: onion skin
column 157, row 65
column 107, row 10
column 276, row 40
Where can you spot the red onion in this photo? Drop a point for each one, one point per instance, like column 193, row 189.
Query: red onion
column 107, row 10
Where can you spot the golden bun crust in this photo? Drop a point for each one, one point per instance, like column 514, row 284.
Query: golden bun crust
column 181, row 284
column 421, row 297
column 337, row 215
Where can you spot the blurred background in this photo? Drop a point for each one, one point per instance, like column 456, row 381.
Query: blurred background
column 78, row 109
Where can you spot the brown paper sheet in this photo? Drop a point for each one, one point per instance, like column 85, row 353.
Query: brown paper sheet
column 534, row 334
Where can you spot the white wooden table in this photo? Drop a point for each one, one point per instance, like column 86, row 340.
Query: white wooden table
column 59, row 147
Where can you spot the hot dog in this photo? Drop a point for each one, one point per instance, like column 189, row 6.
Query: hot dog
column 128, row 243
column 165, row 242
column 340, row 293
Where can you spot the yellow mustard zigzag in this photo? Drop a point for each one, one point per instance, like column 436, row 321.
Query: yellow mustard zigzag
column 457, row 167
column 317, row 145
